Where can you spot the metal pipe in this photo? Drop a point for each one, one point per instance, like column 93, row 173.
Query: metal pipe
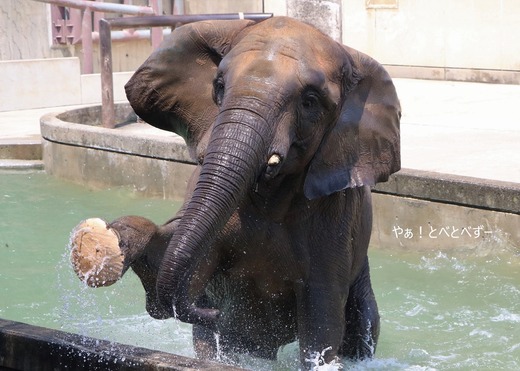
column 86, row 42
column 157, row 36
column 102, row 7
column 125, row 35
column 175, row 20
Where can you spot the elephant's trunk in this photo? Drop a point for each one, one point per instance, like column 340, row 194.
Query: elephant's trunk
column 233, row 160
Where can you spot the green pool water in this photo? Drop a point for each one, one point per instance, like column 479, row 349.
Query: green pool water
column 440, row 310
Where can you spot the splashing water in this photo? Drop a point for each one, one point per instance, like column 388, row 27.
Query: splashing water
column 317, row 361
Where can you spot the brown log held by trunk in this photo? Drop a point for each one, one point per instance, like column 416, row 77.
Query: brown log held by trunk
column 95, row 253
column 101, row 253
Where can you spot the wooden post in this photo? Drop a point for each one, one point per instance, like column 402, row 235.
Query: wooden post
column 107, row 83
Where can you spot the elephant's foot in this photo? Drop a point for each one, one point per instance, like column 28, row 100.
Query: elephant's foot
column 101, row 253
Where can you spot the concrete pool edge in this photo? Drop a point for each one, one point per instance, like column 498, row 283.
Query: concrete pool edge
column 28, row 347
column 152, row 162
column 454, row 189
column 456, row 209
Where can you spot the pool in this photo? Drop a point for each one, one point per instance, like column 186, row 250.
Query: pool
column 446, row 309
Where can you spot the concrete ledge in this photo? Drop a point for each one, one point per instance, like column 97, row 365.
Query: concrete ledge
column 26, row 347
column 81, row 128
column 6, row 164
column 152, row 162
column 21, row 154
column 421, row 225
column 454, row 74
column 421, row 210
column 453, row 189
column 20, row 149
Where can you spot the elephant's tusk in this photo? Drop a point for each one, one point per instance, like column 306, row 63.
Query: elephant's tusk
column 274, row 160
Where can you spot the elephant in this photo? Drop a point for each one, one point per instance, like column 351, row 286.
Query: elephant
column 289, row 131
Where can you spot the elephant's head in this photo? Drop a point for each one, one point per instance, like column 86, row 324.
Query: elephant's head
column 257, row 103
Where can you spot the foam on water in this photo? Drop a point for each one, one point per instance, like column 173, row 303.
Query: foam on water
column 506, row 316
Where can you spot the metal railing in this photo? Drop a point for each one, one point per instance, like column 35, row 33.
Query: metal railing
column 145, row 18
column 68, row 29
column 103, row 7
column 105, row 28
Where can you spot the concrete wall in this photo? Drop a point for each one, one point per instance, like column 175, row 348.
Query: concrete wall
column 24, row 30
column 229, row 6
column 420, row 225
column 324, row 15
column 126, row 56
column 450, row 35
column 460, row 40
column 39, row 83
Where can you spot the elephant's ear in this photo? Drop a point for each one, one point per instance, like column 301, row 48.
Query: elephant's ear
column 173, row 88
column 363, row 148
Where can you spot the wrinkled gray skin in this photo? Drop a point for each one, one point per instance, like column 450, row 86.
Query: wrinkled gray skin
column 267, row 250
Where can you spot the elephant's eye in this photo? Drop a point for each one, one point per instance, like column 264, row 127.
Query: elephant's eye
column 313, row 107
column 218, row 90
column 310, row 99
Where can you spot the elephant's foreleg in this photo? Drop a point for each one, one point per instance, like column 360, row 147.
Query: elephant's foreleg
column 101, row 253
column 362, row 319
column 320, row 310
